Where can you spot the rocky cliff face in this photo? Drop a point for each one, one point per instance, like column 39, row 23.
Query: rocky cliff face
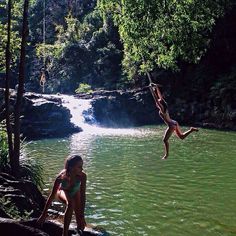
column 137, row 108
column 42, row 116
column 22, row 194
column 45, row 117
column 124, row 108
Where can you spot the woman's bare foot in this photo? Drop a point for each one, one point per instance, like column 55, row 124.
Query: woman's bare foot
column 164, row 157
column 194, row 129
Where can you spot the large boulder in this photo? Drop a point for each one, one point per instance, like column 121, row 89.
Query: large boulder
column 45, row 117
column 29, row 228
column 11, row 227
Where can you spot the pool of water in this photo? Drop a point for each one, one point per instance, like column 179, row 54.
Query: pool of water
column 131, row 191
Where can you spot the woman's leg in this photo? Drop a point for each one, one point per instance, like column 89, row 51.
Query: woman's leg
column 62, row 196
column 166, row 137
column 78, row 214
column 182, row 135
column 67, row 217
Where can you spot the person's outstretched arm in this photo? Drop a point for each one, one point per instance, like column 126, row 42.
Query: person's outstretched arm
column 52, row 195
column 83, row 192
column 158, row 92
column 82, row 200
column 157, row 96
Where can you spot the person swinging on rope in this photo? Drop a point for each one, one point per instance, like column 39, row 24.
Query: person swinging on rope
column 42, row 78
column 173, row 126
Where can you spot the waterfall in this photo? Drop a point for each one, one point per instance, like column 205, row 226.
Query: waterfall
column 82, row 116
column 81, row 111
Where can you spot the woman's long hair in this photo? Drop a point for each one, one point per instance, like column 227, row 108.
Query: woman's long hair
column 70, row 162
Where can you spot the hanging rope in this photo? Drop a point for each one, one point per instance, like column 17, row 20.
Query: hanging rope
column 151, row 84
column 43, row 70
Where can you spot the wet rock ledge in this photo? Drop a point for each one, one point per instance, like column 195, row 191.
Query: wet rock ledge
column 23, row 197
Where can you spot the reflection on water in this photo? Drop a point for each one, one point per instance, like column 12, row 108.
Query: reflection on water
column 131, row 191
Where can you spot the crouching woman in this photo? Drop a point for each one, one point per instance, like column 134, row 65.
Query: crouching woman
column 69, row 188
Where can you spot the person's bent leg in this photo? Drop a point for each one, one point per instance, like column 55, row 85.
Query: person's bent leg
column 61, row 196
column 166, row 137
column 182, row 135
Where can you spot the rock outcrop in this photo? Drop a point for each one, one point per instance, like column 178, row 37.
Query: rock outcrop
column 9, row 227
column 45, row 117
column 124, row 108
column 21, row 194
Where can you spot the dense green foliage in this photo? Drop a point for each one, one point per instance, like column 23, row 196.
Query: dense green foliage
column 87, row 42
column 30, row 168
column 159, row 33
column 78, row 48
column 82, row 45
column 3, row 147
column 12, row 210
column 84, row 88
column 15, row 34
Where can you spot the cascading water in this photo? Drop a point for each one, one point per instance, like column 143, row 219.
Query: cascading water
column 82, row 116
column 81, row 111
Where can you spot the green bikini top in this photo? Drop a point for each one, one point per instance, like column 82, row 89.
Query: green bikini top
column 72, row 189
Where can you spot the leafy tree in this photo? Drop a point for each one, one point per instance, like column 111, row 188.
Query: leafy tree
column 160, row 33
column 84, row 52
column 15, row 37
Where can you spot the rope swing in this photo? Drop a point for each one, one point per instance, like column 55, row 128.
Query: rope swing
column 43, row 70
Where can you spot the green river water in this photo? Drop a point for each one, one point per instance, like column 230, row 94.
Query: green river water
column 131, row 191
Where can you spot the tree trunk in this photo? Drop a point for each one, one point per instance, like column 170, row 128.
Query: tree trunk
column 7, row 82
column 20, row 91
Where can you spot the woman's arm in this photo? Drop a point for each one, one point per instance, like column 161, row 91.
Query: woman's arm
column 157, row 97
column 81, row 223
column 83, row 193
column 158, row 92
column 43, row 216
column 160, row 106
